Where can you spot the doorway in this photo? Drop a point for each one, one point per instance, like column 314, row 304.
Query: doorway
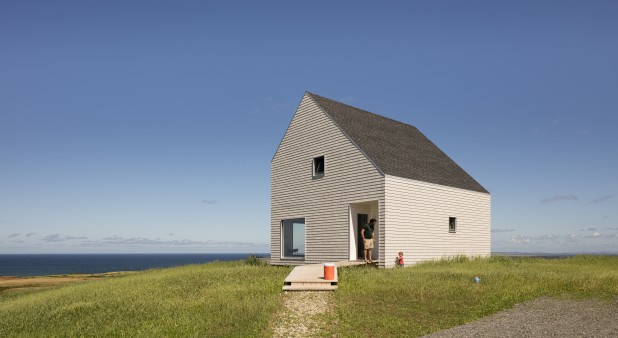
column 359, row 214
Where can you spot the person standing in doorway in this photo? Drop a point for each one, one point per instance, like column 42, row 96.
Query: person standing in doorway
column 367, row 234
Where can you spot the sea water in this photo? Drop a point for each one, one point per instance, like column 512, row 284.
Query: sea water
column 22, row 265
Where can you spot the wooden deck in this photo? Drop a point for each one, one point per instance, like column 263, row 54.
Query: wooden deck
column 311, row 277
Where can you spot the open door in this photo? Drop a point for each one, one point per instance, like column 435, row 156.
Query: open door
column 361, row 220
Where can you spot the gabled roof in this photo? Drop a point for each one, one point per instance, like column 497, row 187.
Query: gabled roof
column 396, row 148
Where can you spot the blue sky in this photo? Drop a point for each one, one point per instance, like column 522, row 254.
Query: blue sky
column 131, row 126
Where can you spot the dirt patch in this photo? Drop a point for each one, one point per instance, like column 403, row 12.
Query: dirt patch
column 544, row 317
column 11, row 284
column 304, row 314
column 38, row 280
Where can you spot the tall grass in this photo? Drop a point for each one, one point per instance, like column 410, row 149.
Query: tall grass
column 231, row 299
column 238, row 299
column 433, row 296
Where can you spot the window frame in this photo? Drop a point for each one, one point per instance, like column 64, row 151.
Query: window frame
column 282, row 236
column 452, row 225
column 314, row 166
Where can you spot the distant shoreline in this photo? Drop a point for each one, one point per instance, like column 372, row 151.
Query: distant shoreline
column 30, row 265
column 36, row 265
column 552, row 255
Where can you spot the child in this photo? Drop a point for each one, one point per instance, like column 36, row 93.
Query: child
column 400, row 259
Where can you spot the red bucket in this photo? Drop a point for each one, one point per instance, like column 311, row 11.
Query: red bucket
column 329, row 271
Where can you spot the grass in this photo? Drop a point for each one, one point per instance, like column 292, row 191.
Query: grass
column 13, row 285
column 231, row 299
column 437, row 295
column 239, row 299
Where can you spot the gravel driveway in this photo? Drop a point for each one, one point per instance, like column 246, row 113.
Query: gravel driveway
column 545, row 317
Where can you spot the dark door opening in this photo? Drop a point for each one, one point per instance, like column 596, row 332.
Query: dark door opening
column 361, row 219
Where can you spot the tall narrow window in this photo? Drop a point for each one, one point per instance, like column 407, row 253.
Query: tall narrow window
column 452, row 224
column 293, row 238
column 318, row 166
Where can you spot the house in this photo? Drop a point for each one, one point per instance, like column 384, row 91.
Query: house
column 338, row 166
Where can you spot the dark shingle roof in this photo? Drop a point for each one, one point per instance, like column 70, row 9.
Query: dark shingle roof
column 397, row 148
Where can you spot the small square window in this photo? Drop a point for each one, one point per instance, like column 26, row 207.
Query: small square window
column 452, row 224
column 318, row 166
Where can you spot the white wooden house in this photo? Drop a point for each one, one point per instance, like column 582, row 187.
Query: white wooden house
column 339, row 166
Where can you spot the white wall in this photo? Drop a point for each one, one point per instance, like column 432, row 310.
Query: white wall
column 324, row 202
column 417, row 221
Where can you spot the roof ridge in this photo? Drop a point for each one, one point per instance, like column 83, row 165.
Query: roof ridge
column 363, row 110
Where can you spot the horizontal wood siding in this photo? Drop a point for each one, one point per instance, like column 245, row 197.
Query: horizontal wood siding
column 348, row 177
column 417, row 221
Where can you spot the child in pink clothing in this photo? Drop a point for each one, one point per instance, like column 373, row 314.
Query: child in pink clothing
column 400, row 259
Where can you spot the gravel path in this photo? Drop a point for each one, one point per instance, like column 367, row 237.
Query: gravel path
column 544, row 317
column 303, row 314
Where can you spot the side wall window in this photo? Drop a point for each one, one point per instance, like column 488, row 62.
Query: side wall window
column 452, row 224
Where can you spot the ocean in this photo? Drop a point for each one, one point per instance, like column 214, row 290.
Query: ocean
column 23, row 265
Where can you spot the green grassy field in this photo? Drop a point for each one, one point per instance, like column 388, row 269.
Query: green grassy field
column 223, row 299
column 236, row 299
column 434, row 296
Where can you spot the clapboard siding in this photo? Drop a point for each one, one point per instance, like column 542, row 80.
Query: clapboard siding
column 417, row 221
column 348, row 177
column 413, row 216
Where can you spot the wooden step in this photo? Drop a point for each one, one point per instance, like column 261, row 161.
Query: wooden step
column 308, row 278
column 313, row 287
